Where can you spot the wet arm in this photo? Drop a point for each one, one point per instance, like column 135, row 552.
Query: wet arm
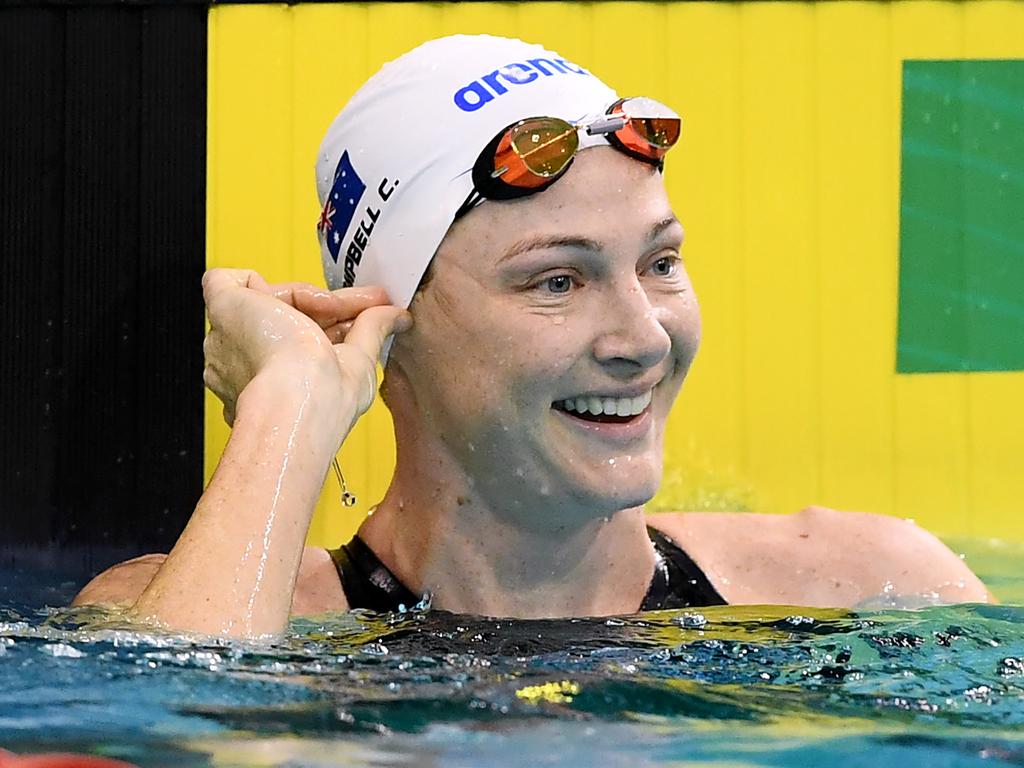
column 233, row 570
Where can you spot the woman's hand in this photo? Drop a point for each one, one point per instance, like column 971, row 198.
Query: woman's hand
column 297, row 366
column 296, row 330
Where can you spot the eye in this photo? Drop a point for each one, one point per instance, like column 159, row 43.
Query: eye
column 666, row 266
column 558, row 284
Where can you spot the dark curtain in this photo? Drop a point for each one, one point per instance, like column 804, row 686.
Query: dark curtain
column 102, row 221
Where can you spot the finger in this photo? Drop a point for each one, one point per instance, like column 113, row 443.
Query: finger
column 257, row 283
column 328, row 308
column 213, row 348
column 337, row 333
column 374, row 291
column 361, row 371
column 373, row 326
column 220, row 278
column 215, row 384
column 217, row 285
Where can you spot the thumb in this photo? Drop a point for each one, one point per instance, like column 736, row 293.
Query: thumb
column 372, row 327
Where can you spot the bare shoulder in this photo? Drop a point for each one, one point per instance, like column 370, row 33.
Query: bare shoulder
column 317, row 587
column 821, row 557
column 121, row 583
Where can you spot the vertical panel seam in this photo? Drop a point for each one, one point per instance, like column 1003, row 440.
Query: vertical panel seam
column 744, row 410
column 895, row 121
column 966, row 501
column 817, row 258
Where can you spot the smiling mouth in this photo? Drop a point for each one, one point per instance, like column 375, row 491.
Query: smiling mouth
column 605, row 410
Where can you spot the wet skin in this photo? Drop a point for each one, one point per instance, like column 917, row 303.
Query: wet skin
column 577, row 291
column 503, row 503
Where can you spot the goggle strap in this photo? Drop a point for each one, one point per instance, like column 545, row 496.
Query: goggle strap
column 607, row 124
column 484, row 166
column 471, row 201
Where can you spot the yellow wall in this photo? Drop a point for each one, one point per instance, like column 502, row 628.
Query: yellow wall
column 787, row 179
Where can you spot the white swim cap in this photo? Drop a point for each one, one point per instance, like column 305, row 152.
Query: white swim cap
column 397, row 162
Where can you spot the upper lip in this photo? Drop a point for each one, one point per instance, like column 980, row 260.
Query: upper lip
column 634, row 391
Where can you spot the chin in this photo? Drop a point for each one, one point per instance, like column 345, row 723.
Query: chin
column 608, row 495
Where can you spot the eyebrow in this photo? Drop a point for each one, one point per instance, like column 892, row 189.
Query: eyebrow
column 576, row 241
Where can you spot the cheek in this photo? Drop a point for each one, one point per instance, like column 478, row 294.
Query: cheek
column 554, row 353
column 468, row 375
column 693, row 322
column 681, row 319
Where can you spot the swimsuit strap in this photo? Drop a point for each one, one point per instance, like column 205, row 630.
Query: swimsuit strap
column 678, row 582
column 367, row 582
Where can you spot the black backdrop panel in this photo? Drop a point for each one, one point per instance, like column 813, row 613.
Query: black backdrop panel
column 102, row 177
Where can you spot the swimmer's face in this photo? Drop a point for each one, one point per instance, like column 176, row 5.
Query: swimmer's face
column 574, row 294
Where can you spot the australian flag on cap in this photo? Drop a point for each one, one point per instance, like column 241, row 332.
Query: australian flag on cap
column 340, row 206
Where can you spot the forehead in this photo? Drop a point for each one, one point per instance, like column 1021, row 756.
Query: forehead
column 604, row 195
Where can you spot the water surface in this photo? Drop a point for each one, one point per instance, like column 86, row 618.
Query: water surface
column 730, row 686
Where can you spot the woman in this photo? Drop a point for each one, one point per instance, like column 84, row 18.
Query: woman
column 551, row 324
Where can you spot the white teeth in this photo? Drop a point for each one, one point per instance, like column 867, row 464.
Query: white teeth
column 610, row 406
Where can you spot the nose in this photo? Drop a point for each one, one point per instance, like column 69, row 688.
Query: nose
column 631, row 335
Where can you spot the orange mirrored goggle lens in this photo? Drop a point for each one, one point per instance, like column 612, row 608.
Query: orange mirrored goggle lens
column 534, row 150
column 651, row 129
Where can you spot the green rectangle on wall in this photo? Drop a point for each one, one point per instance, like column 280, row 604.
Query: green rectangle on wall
column 961, row 287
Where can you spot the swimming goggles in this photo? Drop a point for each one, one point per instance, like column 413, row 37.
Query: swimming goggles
column 532, row 154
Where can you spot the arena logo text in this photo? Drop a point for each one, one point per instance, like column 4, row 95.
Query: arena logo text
column 485, row 89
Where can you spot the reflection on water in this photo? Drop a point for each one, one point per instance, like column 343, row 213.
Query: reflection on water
column 725, row 686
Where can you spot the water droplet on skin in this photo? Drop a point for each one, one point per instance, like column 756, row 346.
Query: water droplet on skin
column 612, row 462
column 605, row 520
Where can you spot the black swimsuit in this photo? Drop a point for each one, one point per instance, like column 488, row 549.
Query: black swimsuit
column 677, row 581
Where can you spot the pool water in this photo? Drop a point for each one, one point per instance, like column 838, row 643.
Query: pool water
column 730, row 686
